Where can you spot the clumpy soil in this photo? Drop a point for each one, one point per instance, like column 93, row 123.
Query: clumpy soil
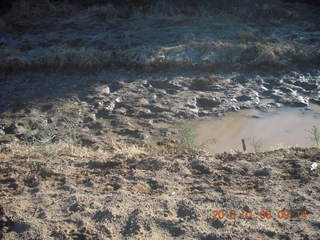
column 169, row 195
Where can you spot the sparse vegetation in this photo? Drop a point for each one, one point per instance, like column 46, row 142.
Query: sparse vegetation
column 269, row 52
column 129, row 150
column 315, row 135
column 186, row 139
column 60, row 128
column 256, row 144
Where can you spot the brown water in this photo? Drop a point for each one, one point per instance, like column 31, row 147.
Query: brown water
column 261, row 131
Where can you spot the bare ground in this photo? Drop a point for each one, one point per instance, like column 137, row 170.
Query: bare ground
column 159, row 194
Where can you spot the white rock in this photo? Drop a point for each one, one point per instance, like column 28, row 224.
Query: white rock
column 107, row 90
column 314, row 166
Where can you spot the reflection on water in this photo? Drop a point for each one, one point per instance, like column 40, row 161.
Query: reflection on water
column 261, row 131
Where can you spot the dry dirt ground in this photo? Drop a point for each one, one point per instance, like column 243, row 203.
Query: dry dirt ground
column 109, row 83
column 158, row 193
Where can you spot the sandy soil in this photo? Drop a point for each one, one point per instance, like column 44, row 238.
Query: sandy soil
column 166, row 194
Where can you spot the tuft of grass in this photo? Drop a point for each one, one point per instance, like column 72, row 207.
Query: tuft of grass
column 129, row 150
column 26, row 151
column 256, row 144
column 186, row 139
column 315, row 135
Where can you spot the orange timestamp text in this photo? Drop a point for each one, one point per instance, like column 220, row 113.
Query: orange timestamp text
column 262, row 214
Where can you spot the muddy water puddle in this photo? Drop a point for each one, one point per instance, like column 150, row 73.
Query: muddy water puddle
column 260, row 130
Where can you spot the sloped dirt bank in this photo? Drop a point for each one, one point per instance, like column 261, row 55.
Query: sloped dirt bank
column 162, row 195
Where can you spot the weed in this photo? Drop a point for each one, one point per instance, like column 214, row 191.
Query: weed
column 315, row 135
column 187, row 139
column 256, row 144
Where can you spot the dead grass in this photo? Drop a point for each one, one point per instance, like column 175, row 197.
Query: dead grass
column 25, row 151
column 261, row 56
column 129, row 150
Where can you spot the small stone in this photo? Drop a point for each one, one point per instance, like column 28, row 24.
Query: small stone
column 110, row 107
column 121, row 110
column 154, row 97
column 107, row 90
column 143, row 101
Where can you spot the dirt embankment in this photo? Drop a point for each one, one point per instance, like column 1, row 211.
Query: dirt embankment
column 161, row 194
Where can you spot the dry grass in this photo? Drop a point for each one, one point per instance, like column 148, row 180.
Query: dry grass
column 26, row 151
column 210, row 54
column 129, row 150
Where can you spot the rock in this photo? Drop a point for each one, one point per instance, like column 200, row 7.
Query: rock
column 154, row 97
column 143, row 102
column 234, row 108
column 106, row 90
column 118, row 100
column 192, row 103
column 121, row 110
column 110, row 107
